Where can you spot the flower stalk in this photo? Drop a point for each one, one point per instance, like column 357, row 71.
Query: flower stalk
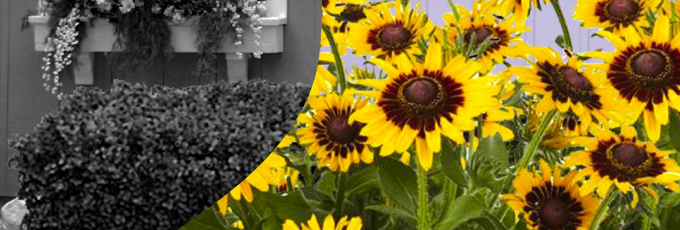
column 608, row 198
column 563, row 23
column 340, row 72
column 423, row 204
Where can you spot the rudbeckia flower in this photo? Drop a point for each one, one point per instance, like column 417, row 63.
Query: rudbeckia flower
column 336, row 142
column 614, row 15
column 550, row 201
column 261, row 178
column 386, row 36
column 645, row 70
column 623, row 161
column 328, row 224
column 419, row 102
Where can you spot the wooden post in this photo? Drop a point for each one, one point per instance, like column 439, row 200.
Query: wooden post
column 237, row 67
column 84, row 73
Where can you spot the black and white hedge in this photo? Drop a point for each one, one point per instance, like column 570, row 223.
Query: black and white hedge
column 133, row 158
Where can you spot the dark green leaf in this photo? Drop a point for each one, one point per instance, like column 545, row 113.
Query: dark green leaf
column 326, row 184
column 489, row 221
column 292, row 206
column 207, row 220
column 494, row 147
column 462, row 210
column 398, row 181
column 674, row 124
column 392, row 212
column 670, row 200
column 317, row 199
column 451, row 163
column 560, row 42
column 362, row 181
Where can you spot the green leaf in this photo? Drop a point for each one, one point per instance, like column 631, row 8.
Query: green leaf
column 393, row 212
column 674, row 124
column 670, row 200
column 291, row 206
column 561, row 42
column 317, row 199
column 362, row 181
column 462, row 210
column 326, row 184
column 494, row 147
column 520, row 225
column 398, row 182
column 451, row 163
column 489, row 221
column 207, row 220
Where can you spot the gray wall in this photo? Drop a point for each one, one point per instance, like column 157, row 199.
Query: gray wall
column 23, row 100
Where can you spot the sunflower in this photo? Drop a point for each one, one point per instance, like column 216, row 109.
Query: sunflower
column 550, row 201
column 521, row 8
column 324, row 81
column 386, row 36
column 223, row 206
column 421, row 101
column 614, row 15
column 557, row 136
column 331, row 6
column 328, row 224
column 482, row 24
column 282, row 175
column 646, row 72
column 261, row 178
column 337, row 143
column 568, row 88
column 623, row 161
column 353, row 12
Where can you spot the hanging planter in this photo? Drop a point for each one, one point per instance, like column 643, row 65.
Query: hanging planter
column 104, row 36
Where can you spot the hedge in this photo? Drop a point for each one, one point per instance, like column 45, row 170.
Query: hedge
column 132, row 158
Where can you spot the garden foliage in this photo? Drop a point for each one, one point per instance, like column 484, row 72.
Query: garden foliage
column 132, row 158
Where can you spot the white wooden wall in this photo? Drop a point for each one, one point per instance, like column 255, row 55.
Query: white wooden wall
column 545, row 27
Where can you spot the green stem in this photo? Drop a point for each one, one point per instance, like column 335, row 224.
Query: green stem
column 536, row 140
column 563, row 23
column 339, row 67
column 602, row 208
column 423, row 205
column 341, row 193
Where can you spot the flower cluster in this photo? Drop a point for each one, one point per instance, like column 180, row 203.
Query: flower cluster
column 429, row 136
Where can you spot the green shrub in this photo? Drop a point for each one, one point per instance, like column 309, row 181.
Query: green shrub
column 137, row 159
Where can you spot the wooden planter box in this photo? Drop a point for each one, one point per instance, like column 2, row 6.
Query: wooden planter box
column 101, row 38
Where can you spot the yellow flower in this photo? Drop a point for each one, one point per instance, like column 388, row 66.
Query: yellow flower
column 336, row 143
column 386, row 36
column 482, row 23
column 223, row 206
column 283, row 174
column 328, row 224
column 646, row 72
column 614, row 15
column 491, row 125
column 324, row 81
column 261, row 178
column 623, row 161
column 550, row 201
column 568, row 88
column 520, row 8
column 419, row 102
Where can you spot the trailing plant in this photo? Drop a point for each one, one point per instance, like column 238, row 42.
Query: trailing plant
column 142, row 30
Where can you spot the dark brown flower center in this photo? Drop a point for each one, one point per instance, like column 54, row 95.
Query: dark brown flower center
column 395, row 35
column 324, row 3
column 353, row 13
column 629, row 154
column 421, row 91
column 554, row 214
column 650, row 64
column 622, row 10
column 575, row 79
column 480, row 35
column 340, row 131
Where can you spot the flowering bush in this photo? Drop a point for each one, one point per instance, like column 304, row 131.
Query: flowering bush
column 217, row 18
column 426, row 136
column 133, row 158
